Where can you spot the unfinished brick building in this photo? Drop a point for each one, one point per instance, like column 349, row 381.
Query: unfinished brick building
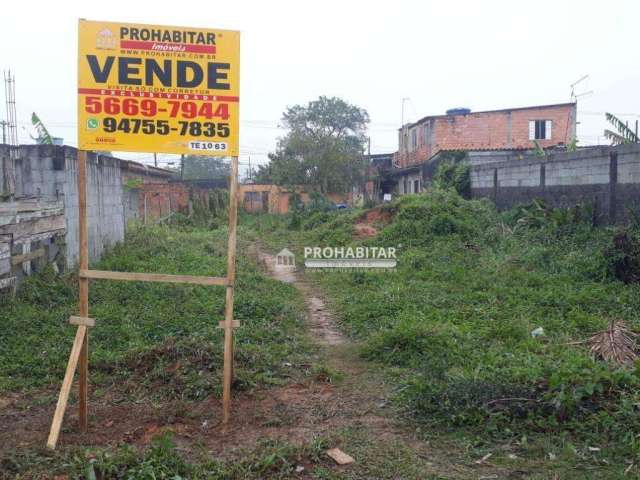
column 461, row 129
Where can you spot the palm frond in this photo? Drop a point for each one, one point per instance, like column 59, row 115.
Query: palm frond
column 616, row 344
column 43, row 134
column 624, row 132
column 614, row 138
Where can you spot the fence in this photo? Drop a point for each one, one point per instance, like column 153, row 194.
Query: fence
column 608, row 178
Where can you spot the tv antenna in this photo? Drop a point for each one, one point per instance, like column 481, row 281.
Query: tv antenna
column 574, row 95
column 10, row 125
column 405, row 99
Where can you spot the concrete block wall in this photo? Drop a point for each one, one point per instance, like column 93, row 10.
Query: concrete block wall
column 105, row 205
column 47, row 173
column 39, row 205
column 606, row 177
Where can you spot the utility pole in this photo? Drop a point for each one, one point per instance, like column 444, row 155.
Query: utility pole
column 4, row 131
column 155, row 160
column 367, row 165
column 182, row 167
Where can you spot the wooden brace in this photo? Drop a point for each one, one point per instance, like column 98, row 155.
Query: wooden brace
column 86, row 321
column 234, row 324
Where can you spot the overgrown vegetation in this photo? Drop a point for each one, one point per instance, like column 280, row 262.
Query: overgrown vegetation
column 155, row 339
column 452, row 325
column 456, row 319
column 454, row 173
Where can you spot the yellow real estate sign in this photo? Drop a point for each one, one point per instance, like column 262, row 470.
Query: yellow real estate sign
column 150, row 88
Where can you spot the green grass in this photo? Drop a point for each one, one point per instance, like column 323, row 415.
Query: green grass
column 143, row 329
column 272, row 459
column 454, row 321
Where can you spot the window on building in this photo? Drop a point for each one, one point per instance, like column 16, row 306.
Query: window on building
column 404, row 186
column 416, row 186
column 540, row 129
column 251, row 196
column 425, row 134
column 414, row 139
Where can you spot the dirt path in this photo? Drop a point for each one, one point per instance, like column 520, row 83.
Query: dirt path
column 321, row 321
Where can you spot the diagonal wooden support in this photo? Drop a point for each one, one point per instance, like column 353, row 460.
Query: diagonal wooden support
column 56, row 424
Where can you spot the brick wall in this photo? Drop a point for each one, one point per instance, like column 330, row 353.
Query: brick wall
column 500, row 129
column 606, row 177
column 257, row 198
column 157, row 200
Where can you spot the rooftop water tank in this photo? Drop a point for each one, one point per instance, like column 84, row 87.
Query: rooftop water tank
column 458, row 111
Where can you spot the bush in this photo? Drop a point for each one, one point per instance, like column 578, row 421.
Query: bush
column 454, row 175
column 436, row 213
column 623, row 257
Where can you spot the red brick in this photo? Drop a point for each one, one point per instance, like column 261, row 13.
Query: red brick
column 487, row 130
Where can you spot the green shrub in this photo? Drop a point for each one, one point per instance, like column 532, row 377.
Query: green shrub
column 435, row 213
column 623, row 257
column 454, row 173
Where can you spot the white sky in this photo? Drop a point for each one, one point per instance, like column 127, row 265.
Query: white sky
column 441, row 54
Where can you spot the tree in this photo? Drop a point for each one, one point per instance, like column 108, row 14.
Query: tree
column 623, row 135
column 197, row 167
column 323, row 148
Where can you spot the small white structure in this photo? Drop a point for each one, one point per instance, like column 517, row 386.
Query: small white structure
column 285, row 260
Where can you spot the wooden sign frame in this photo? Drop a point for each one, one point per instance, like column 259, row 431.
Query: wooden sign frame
column 79, row 357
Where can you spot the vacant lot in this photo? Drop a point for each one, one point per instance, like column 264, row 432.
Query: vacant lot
column 453, row 323
column 436, row 374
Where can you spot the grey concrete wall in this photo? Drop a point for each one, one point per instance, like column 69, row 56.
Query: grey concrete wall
column 105, row 207
column 130, row 199
column 606, row 177
column 47, row 173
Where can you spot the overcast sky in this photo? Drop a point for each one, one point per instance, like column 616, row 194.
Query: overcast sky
column 478, row 54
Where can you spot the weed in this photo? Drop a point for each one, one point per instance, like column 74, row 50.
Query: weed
column 154, row 337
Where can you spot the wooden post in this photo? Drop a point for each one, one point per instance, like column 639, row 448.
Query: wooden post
column 79, row 358
column 83, row 288
column 231, row 278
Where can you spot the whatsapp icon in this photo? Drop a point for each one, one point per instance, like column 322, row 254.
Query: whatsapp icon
column 92, row 123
